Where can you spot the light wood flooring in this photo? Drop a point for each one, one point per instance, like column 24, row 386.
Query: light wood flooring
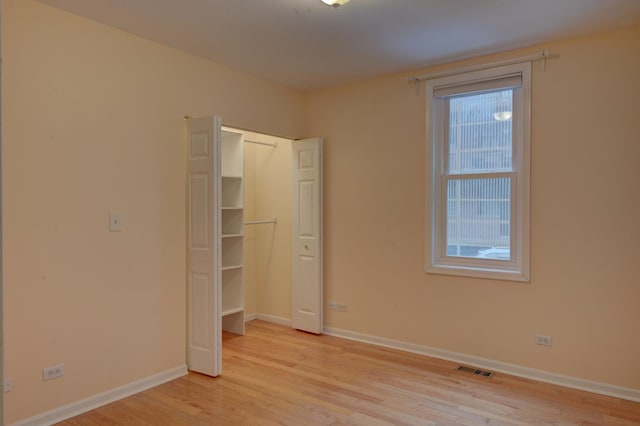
column 275, row 375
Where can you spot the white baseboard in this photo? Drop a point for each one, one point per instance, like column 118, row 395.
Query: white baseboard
column 104, row 398
column 268, row 318
column 472, row 360
column 498, row 366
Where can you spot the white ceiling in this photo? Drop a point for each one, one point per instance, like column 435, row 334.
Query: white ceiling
column 306, row 45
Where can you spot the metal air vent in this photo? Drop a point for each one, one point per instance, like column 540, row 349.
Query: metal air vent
column 475, row 371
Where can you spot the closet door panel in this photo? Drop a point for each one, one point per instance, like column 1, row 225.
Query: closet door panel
column 203, row 189
column 306, row 284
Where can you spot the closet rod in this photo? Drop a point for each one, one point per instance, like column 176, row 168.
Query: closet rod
column 261, row 143
column 259, row 222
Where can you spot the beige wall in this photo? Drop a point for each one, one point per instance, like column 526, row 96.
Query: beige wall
column 585, row 244
column 268, row 246
column 93, row 122
column 250, row 242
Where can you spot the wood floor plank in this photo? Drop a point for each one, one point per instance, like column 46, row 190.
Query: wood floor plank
column 278, row 376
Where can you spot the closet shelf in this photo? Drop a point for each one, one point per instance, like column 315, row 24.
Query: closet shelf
column 230, row 310
column 231, row 237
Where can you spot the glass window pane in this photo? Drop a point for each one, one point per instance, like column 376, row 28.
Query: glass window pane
column 480, row 132
column 479, row 218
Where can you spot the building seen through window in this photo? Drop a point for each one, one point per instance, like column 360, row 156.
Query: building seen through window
column 479, row 143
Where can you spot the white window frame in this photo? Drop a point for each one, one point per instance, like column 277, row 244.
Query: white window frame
column 436, row 259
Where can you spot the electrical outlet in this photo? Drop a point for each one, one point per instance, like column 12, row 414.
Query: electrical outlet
column 544, row 340
column 53, row 372
column 341, row 307
column 8, row 385
column 334, row 306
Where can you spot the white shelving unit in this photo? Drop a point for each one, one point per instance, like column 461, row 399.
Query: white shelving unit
column 232, row 238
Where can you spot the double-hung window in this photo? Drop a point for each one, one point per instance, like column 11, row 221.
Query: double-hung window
column 478, row 173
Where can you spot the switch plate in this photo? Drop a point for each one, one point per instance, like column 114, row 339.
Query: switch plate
column 115, row 222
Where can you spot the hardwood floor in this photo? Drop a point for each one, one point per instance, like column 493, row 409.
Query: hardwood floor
column 275, row 375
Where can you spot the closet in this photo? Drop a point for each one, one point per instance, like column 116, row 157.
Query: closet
column 254, row 226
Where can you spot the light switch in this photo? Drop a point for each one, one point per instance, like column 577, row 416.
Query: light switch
column 115, row 222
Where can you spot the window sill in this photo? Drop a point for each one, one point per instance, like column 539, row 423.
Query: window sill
column 475, row 272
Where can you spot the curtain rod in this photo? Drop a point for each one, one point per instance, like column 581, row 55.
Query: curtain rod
column 542, row 56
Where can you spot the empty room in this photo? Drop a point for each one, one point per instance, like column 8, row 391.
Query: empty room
column 320, row 212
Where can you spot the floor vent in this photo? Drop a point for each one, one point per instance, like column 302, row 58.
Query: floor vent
column 475, row 371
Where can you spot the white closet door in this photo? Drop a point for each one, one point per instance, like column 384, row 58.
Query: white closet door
column 306, row 277
column 203, row 192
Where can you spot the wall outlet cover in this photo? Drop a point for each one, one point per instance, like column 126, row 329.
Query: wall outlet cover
column 544, row 340
column 53, row 372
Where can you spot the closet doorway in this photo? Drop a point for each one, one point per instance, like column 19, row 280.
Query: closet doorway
column 254, row 235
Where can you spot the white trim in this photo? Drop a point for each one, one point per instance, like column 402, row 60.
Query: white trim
column 498, row 366
column 476, row 361
column 485, row 273
column 79, row 407
column 250, row 317
column 268, row 318
column 436, row 177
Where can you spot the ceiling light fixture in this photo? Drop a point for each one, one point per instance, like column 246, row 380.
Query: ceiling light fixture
column 335, row 3
column 502, row 115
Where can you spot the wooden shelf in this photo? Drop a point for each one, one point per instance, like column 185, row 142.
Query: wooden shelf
column 230, row 310
column 231, row 235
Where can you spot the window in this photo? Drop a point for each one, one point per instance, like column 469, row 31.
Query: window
column 478, row 173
